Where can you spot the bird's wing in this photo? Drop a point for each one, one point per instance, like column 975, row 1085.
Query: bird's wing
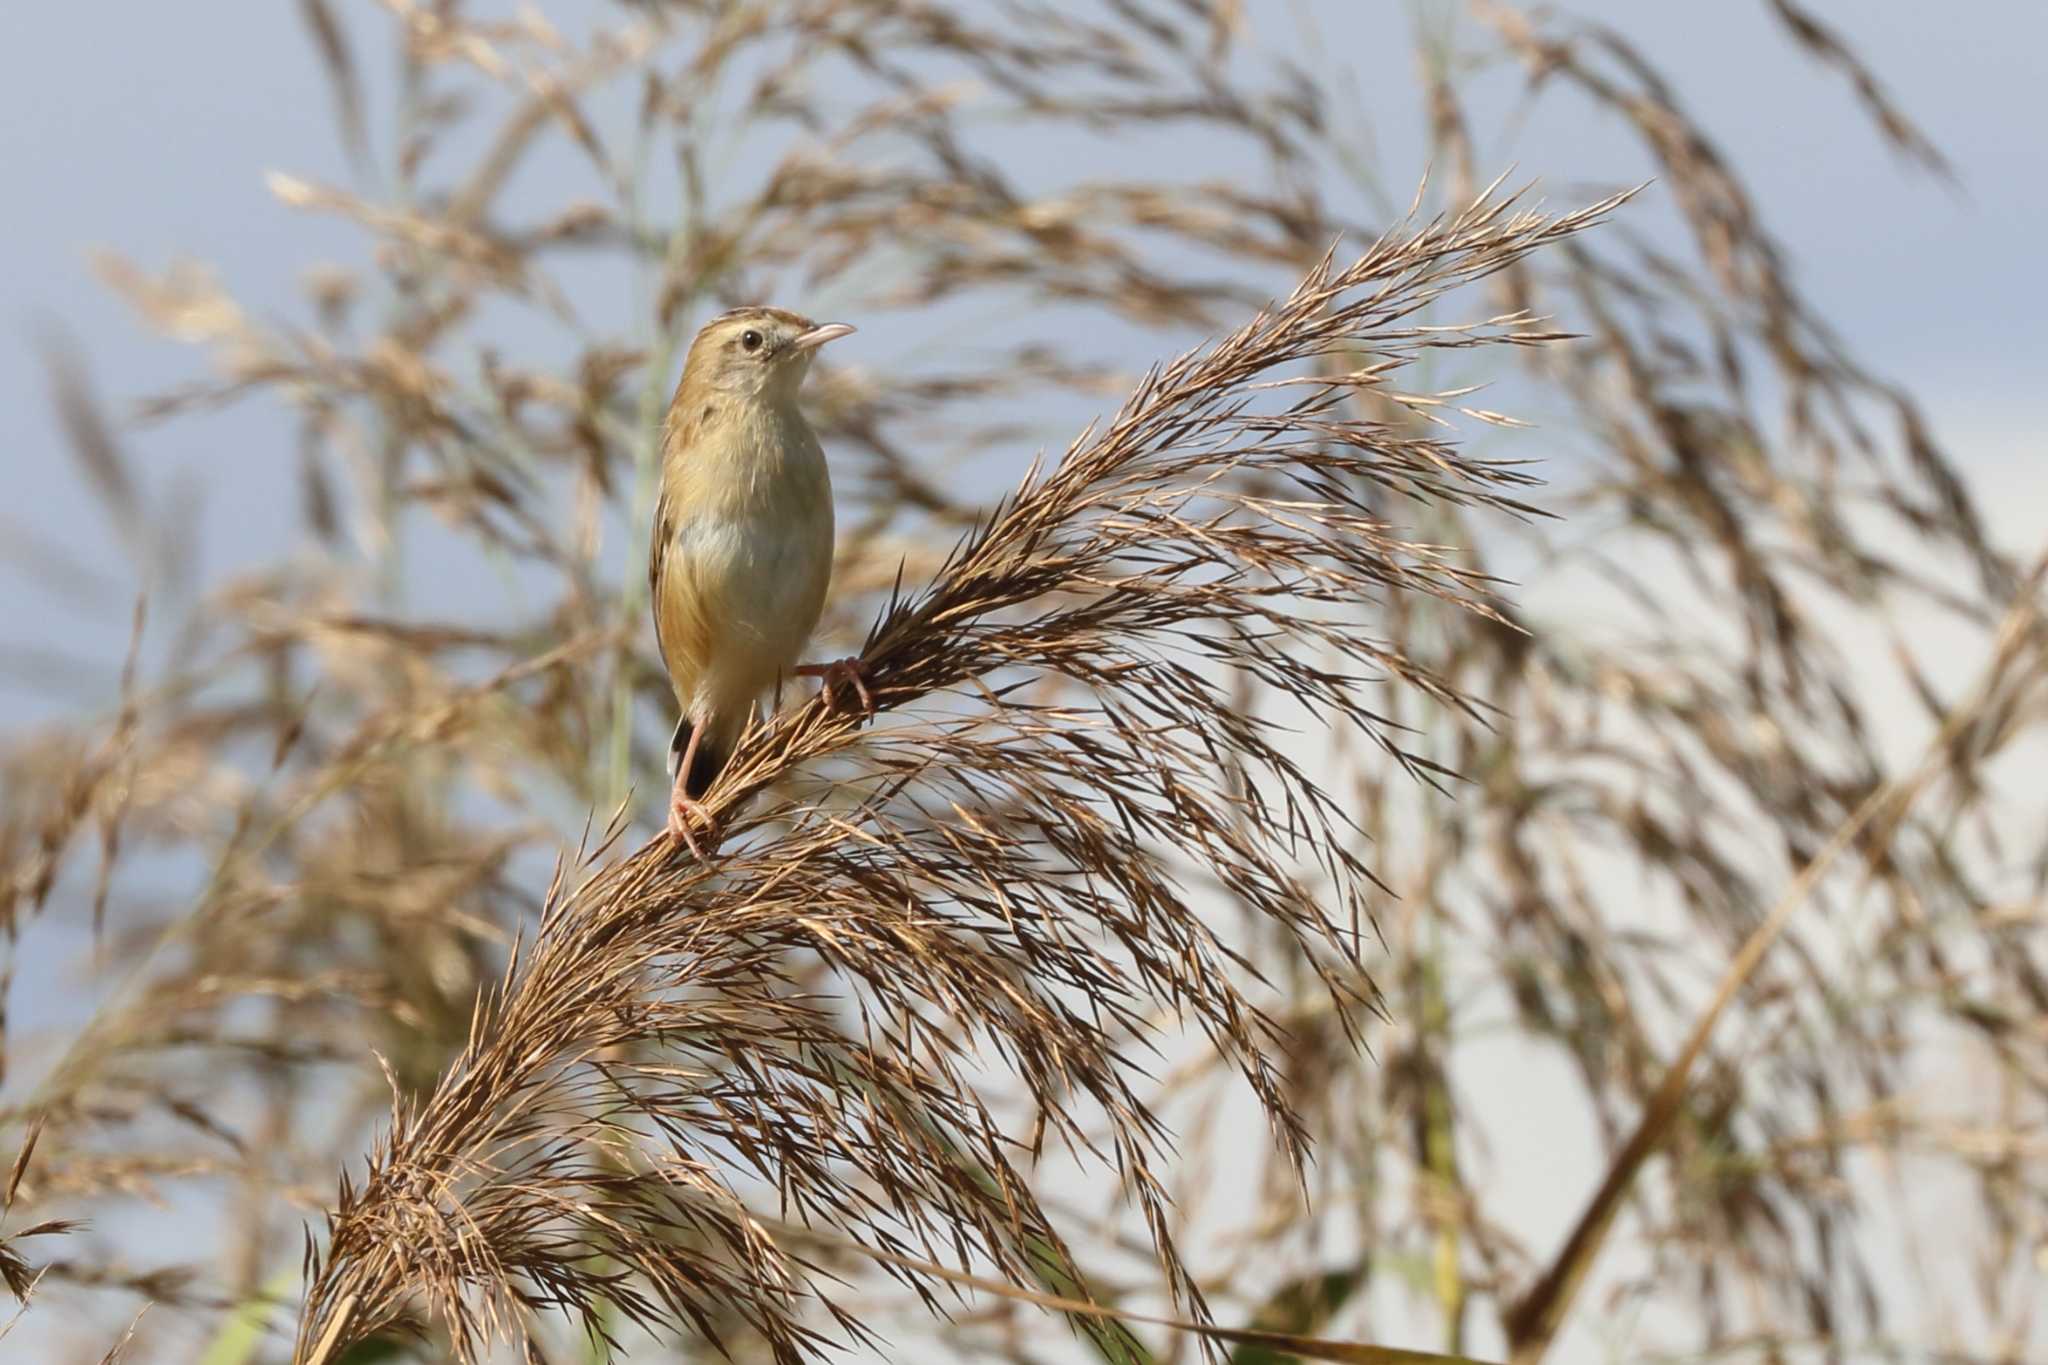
column 682, row 626
column 659, row 543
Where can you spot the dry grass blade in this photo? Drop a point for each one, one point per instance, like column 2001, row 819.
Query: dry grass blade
column 341, row 74
column 1827, row 45
column 1011, row 879
column 119, row 1350
column 21, row 1160
column 1534, row 1322
column 92, row 438
column 1291, row 1343
column 16, row 1271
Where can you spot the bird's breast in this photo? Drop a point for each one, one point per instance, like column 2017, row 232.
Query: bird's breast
column 757, row 574
column 750, row 557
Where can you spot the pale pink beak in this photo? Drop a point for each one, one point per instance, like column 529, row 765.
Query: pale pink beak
column 818, row 336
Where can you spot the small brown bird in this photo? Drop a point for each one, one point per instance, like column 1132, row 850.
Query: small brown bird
column 742, row 547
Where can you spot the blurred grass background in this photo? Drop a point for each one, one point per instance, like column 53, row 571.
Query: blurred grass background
column 414, row 407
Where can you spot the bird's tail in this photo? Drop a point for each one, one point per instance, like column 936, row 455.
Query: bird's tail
column 705, row 765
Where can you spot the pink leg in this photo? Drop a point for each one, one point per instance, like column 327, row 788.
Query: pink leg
column 849, row 670
column 683, row 811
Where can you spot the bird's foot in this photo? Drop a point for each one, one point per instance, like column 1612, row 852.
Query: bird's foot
column 848, row 670
column 685, row 817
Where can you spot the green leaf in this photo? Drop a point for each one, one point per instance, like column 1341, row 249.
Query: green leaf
column 1299, row 1307
column 375, row 1351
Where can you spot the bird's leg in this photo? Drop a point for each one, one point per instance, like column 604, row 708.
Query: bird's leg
column 684, row 811
column 850, row 670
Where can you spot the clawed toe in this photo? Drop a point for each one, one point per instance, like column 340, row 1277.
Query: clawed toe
column 684, row 815
column 848, row 670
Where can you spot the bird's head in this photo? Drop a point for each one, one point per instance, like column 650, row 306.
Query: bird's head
column 760, row 353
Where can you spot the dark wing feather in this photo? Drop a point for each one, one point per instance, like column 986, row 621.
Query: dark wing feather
column 661, row 540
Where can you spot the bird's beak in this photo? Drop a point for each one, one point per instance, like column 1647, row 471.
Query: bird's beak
column 818, row 336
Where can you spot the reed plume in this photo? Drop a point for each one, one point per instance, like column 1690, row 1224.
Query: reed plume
column 990, row 874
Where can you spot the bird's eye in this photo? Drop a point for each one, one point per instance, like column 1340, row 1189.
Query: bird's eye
column 751, row 340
